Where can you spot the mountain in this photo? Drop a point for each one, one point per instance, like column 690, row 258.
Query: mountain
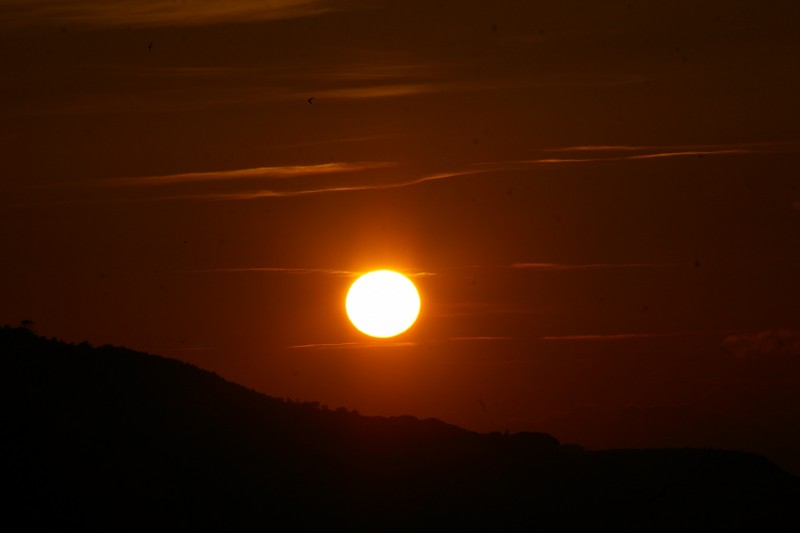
column 110, row 439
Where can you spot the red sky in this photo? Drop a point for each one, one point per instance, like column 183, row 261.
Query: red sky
column 599, row 202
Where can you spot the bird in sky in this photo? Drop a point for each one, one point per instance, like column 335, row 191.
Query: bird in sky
column 310, row 100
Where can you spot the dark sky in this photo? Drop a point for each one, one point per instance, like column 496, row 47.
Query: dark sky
column 598, row 201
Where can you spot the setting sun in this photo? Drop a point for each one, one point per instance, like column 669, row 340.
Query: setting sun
column 382, row 303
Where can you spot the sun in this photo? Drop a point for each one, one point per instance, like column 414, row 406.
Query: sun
column 382, row 303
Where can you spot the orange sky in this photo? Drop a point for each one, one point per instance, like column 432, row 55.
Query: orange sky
column 599, row 202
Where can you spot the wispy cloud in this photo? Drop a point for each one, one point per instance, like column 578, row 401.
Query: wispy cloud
column 609, row 337
column 349, row 345
column 432, row 85
column 392, row 344
column 483, row 339
column 327, row 271
column 686, row 153
column 154, row 13
column 629, row 336
column 378, row 91
column 254, row 195
column 387, row 181
column 289, row 171
column 676, row 148
column 631, row 152
column 462, row 309
column 281, row 270
column 584, row 266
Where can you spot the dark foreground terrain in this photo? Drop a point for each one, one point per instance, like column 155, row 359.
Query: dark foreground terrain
column 111, row 439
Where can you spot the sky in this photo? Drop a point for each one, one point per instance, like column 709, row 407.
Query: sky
column 599, row 203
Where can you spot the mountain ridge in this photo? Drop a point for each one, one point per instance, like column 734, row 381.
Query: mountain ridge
column 149, row 439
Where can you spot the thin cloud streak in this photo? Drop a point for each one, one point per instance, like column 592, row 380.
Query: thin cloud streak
column 584, row 266
column 628, row 336
column 487, row 339
column 254, row 195
column 676, row 148
column 334, row 168
column 349, row 345
column 245, row 85
column 467, row 309
column 624, row 152
column 611, row 337
column 289, row 171
column 377, row 91
column 433, row 86
column 384, row 344
column 156, row 13
column 328, row 271
column 688, row 153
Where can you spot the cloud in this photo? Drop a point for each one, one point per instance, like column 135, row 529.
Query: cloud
column 583, row 266
column 677, row 148
column 272, row 193
column 459, row 85
column 328, row 271
column 485, row 338
column 687, row 153
column 350, row 345
column 289, row 171
column 462, row 309
column 413, row 273
column 191, row 87
column 377, row 91
column 291, row 188
column 155, row 13
column 768, row 343
column 608, row 337
column 388, row 344
column 632, row 153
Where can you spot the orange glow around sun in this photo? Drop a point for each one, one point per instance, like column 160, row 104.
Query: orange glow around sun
column 382, row 303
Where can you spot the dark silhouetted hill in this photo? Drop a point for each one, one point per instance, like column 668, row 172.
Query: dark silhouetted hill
column 110, row 439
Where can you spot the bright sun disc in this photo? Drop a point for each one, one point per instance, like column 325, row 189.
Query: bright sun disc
column 382, row 303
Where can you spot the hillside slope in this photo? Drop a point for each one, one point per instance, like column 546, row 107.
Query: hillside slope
column 107, row 438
